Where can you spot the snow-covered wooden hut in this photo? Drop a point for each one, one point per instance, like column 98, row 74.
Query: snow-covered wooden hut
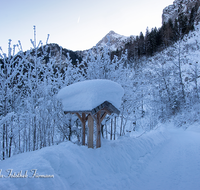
column 91, row 100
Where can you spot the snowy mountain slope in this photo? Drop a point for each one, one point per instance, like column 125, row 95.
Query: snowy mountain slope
column 183, row 6
column 162, row 79
column 185, row 51
column 114, row 166
column 112, row 41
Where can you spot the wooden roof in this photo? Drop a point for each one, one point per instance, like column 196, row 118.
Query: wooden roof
column 107, row 106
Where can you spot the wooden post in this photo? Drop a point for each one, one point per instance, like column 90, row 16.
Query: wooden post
column 106, row 131
column 91, row 129
column 98, row 141
column 83, row 129
column 96, row 114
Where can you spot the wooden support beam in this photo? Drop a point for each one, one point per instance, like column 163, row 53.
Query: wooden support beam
column 79, row 117
column 103, row 116
column 97, row 114
column 98, row 140
column 108, row 112
column 83, row 129
column 94, row 118
column 91, row 131
column 83, row 121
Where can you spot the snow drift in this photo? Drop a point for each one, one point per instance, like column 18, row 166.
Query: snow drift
column 114, row 166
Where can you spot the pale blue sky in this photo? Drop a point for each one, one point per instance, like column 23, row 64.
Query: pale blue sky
column 76, row 24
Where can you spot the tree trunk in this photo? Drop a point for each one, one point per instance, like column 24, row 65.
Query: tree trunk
column 180, row 72
column 4, row 128
column 111, row 129
column 34, row 134
column 115, row 127
column 10, row 146
column 19, row 136
column 6, row 141
column 106, row 131
column 121, row 133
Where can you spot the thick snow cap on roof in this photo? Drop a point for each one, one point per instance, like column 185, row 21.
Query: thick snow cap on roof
column 86, row 95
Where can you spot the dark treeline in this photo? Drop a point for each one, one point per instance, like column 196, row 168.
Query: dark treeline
column 53, row 49
column 155, row 40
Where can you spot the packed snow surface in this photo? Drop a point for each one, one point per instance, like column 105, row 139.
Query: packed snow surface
column 86, row 95
column 162, row 159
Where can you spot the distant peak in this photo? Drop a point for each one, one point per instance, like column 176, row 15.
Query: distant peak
column 111, row 32
column 115, row 40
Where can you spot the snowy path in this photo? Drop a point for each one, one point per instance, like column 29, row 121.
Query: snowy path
column 163, row 159
column 175, row 166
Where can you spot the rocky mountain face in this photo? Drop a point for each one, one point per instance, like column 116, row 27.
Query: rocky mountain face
column 181, row 7
column 54, row 51
column 113, row 40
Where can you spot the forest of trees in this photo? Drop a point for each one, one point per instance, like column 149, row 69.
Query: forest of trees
column 155, row 40
column 30, row 115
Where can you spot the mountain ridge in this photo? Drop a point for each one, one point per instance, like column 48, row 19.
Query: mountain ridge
column 180, row 7
column 116, row 42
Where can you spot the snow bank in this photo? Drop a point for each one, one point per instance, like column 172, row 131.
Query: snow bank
column 86, row 95
column 115, row 165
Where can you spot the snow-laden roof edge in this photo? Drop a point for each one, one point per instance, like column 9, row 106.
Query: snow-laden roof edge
column 89, row 94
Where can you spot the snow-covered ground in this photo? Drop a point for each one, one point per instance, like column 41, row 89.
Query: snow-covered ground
column 164, row 158
column 176, row 165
